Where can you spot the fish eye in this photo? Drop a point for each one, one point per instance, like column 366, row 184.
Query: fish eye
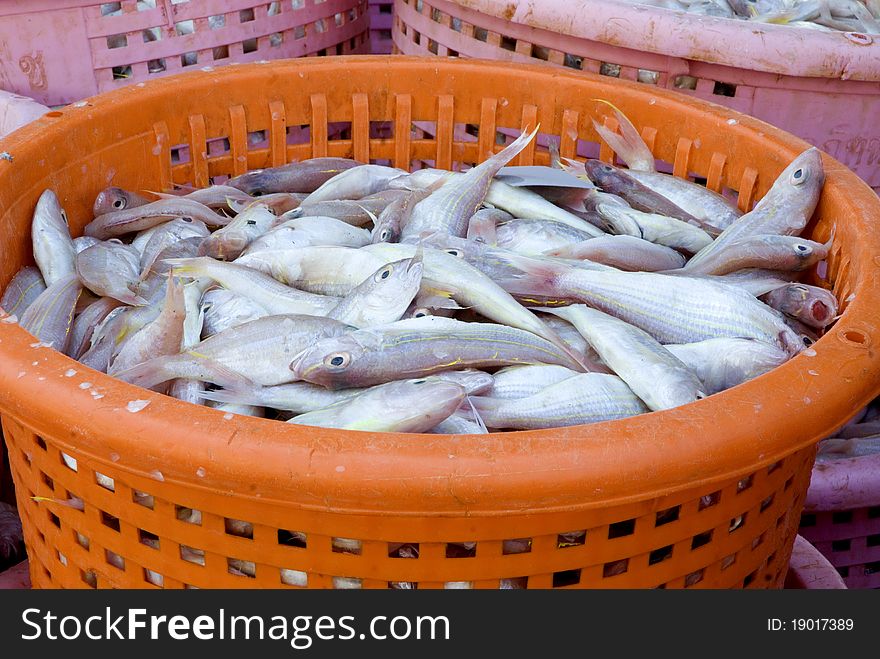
column 807, row 340
column 119, row 203
column 453, row 252
column 337, row 360
column 802, row 248
column 421, row 313
column 607, row 168
column 798, row 176
column 64, row 216
column 420, row 382
column 383, row 235
column 187, row 219
column 251, row 222
column 384, row 273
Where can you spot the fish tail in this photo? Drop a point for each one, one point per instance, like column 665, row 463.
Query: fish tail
column 192, row 267
column 153, row 372
column 536, row 277
column 512, row 150
column 629, row 145
column 240, row 396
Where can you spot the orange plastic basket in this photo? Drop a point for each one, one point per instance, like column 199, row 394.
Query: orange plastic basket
column 707, row 495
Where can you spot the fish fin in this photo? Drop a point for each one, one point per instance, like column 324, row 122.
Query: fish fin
column 511, row 151
column 372, row 216
column 239, row 396
column 574, row 168
column 150, row 373
column 477, row 418
column 629, row 145
column 555, row 158
column 537, row 276
column 439, row 300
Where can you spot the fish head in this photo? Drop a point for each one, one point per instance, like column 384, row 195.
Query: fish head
column 601, row 173
column 797, row 188
column 334, row 362
column 111, row 199
column 386, row 229
column 49, row 210
column 410, row 395
column 224, row 245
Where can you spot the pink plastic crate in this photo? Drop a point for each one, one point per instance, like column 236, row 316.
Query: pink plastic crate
column 59, row 51
column 822, row 86
column 380, row 26
column 842, row 517
column 809, row 569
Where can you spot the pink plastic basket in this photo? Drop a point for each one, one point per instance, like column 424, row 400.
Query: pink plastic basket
column 842, row 517
column 809, row 569
column 822, row 86
column 60, row 51
column 380, row 26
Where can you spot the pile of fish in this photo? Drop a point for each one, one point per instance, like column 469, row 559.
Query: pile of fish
column 358, row 296
column 846, row 15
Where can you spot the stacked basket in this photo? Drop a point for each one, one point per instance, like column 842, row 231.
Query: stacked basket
column 821, row 86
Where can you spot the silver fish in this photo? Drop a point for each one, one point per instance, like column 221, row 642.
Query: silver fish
column 326, row 230
column 669, row 308
column 417, row 347
column 654, row 374
column 482, row 227
column 168, row 234
column 304, row 176
column 109, row 337
column 532, row 237
column 50, row 317
column 298, row 397
column 259, row 351
column 622, row 252
column 20, row 293
column 523, row 381
column 162, row 336
column 131, row 220
column 54, row 252
column 116, row 199
column 86, row 323
column 724, row 363
column 84, row 242
column 655, row 228
column 228, row 242
column 448, row 209
column 387, row 226
column 270, row 294
column 111, row 269
column 784, row 210
column 355, row 183
column 585, row 398
column 414, row 406
column 223, row 309
column 787, row 253
column 814, row 306
column 384, row 296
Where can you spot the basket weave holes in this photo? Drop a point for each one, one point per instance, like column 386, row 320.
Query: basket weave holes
column 667, row 516
column 737, row 523
column 709, row 500
column 621, row 529
column 660, row 555
column 346, row 546
column 566, row 578
column 110, row 521
column 615, row 568
column 114, row 559
column 461, row 549
column 403, row 550
column 238, row 528
column 571, row 539
column 151, row 540
column 693, row 578
column 516, row 546
column 292, row 538
column 701, row 539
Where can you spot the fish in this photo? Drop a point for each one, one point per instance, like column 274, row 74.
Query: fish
column 521, row 381
column 669, row 308
column 22, row 290
column 228, row 242
column 355, row 183
column 622, row 252
column 448, row 209
column 724, row 363
column 387, row 226
column 784, row 210
column 223, row 309
column 305, row 176
column 111, row 269
column 447, row 276
column 357, row 212
column 85, row 324
column 519, row 202
column 414, row 405
column 533, row 237
column 418, row 347
column 322, row 269
column 653, row 373
column 193, row 322
column 117, row 199
column 273, row 296
column 162, row 336
column 216, row 197
column 482, row 227
column 258, row 352
column 324, row 230
column 790, row 253
column 584, row 398
column 811, row 305
column 655, row 228
column 117, row 327
column 277, row 202
column 84, row 242
column 53, row 247
column 50, row 317
column 167, row 234
column 382, row 297
column 837, row 448
column 119, row 223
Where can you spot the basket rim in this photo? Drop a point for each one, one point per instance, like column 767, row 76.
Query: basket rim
column 586, row 466
column 676, row 33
